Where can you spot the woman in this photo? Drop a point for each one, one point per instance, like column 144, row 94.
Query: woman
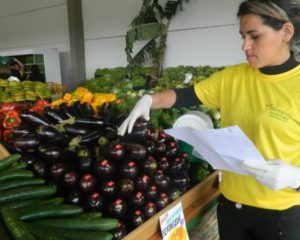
column 263, row 98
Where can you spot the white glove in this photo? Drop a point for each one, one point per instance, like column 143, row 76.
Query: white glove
column 141, row 108
column 275, row 174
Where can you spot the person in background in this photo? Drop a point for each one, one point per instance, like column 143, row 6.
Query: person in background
column 17, row 69
column 35, row 74
column 262, row 97
column 5, row 72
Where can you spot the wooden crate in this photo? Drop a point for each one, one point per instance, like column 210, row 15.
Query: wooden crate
column 193, row 202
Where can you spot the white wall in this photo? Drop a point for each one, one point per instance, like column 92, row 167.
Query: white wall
column 204, row 33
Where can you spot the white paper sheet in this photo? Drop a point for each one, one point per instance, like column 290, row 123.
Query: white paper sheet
column 223, row 148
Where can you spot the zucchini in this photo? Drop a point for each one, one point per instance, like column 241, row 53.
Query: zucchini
column 17, row 174
column 17, row 229
column 39, row 212
column 17, row 166
column 21, row 182
column 71, row 234
column 9, row 160
column 26, row 193
column 21, row 204
column 42, row 235
column 100, row 224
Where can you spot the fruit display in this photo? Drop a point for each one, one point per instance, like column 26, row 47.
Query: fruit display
column 13, row 91
column 129, row 178
column 30, row 209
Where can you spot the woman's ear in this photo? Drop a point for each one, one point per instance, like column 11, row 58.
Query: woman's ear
column 288, row 31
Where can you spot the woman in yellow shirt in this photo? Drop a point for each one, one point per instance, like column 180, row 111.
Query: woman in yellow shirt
column 262, row 97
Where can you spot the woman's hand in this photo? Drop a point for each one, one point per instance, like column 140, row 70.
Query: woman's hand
column 275, row 174
column 141, row 108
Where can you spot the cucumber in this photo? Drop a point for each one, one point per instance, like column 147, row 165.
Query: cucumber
column 100, row 224
column 26, row 193
column 71, row 234
column 4, row 234
column 17, row 166
column 90, row 215
column 17, row 229
column 9, row 160
column 39, row 212
column 43, row 235
column 17, row 174
column 21, row 204
column 44, row 202
column 21, row 182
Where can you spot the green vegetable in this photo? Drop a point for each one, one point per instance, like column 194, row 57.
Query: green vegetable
column 25, row 193
column 100, row 224
column 17, row 229
column 70, row 234
column 16, row 174
column 39, row 212
column 9, row 160
column 21, row 182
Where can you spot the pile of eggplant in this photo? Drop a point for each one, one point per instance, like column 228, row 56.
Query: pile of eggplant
column 130, row 178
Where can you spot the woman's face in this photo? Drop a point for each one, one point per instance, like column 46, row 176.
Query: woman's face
column 263, row 45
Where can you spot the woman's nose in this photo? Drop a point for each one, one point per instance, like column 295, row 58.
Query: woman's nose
column 246, row 45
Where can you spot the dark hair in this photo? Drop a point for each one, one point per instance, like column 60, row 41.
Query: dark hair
column 275, row 13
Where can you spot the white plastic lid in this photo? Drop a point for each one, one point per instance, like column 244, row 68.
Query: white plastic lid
column 195, row 120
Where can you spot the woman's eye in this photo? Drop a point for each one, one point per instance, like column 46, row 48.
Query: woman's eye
column 255, row 37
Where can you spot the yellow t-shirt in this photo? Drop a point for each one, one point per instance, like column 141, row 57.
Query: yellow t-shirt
column 267, row 109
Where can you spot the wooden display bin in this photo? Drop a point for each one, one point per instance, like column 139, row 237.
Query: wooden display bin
column 193, row 202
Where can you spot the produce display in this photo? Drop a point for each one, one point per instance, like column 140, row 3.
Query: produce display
column 129, row 178
column 13, row 91
column 30, row 209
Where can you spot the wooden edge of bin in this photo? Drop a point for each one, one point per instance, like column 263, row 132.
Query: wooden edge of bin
column 193, row 201
column 3, row 152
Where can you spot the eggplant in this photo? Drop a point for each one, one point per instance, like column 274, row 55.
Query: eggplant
column 67, row 110
column 149, row 165
column 21, row 130
column 94, row 202
column 104, row 169
column 163, row 182
column 110, row 132
column 57, row 171
column 177, row 166
column 27, row 143
column 54, row 115
column 181, row 181
column 162, row 201
column 52, row 153
column 40, row 169
column 151, row 147
column 75, row 130
column 152, row 192
column 85, row 164
column 95, row 122
column 114, row 151
column 160, row 149
column 87, row 183
column 117, row 208
column 29, row 159
column 136, row 218
column 50, row 134
column 172, row 149
column 74, row 196
column 142, row 182
column 174, row 193
column 90, row 138
column 108, row 188
column 149, row 210
column 135, row 151
column 163, row 164
column 138, row 199
column 125, row 187
column 70, row 179
column 119, row 232
column 83, row 109
column 128, row 169
column 105, row 110
column 34, row 119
